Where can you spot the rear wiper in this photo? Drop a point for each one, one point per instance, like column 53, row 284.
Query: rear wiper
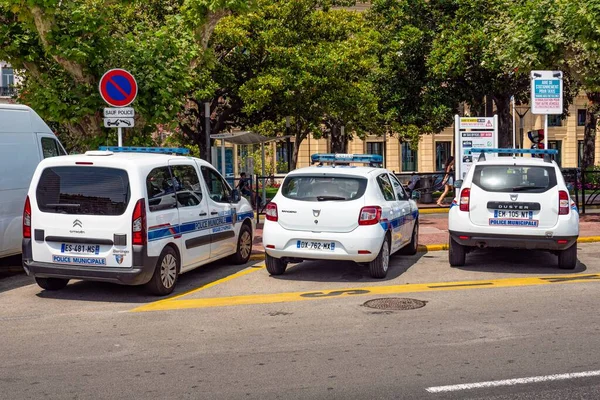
column 325, row 198
column 520, row 188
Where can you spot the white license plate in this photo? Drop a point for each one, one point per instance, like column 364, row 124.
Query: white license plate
column 513, row 214
column 80, row 248
column 314, row 245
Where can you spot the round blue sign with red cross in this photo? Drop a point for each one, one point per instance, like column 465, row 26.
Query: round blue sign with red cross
column 118, row 87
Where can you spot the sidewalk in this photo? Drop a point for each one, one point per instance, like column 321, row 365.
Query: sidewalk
column 433, row 228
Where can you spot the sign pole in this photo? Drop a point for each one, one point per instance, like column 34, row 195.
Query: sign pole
column 457, row 152
column 546, row 132
column 207, row 130
column 514, row 126
column 120, row 133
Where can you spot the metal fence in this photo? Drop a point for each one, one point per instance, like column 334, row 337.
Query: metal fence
column 584, row 186
column 8, row 91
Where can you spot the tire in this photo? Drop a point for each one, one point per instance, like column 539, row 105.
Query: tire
column 165, row 274
column 411, row 248
column 379, row 266
column 567, row 259
column 244, row 246
column 52, row 283
column 275, row 266
column 456, row 254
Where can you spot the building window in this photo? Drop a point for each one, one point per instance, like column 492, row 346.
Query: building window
column 375, row 148
column 554, row 120
column 409, row 158
column 581, row 114
column 7, row 81
column 579, row 153
column 443, row 150
column 556, row 145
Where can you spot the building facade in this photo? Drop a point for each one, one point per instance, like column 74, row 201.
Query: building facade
column 8, row 82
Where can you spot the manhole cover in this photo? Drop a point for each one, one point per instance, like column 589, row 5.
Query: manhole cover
column 395, row 303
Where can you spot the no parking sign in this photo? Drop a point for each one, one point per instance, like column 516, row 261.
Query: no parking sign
column 118, row 87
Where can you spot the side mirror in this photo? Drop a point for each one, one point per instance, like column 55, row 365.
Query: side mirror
column 235, row 196
column 458, row 183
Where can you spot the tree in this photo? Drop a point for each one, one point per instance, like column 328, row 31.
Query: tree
column 64, row 47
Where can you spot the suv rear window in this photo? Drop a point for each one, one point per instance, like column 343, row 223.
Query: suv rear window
column 83, row 190
column 511, row 178
column 323, row 188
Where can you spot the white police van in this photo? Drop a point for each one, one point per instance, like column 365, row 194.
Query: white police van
column 340, row 212
column 128, row 216
column 514, row 202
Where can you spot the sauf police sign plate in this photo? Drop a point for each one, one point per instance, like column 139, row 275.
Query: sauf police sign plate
column 123, row 112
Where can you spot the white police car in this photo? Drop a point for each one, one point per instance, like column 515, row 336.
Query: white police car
column 514, row 202
column 125, row 216
column 340, row 212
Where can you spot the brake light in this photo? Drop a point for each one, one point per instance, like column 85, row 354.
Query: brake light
column 27, row 219
column 563, row 203
column 271, row 212
column 465, row 197
column 138, row 224
column 369, row 215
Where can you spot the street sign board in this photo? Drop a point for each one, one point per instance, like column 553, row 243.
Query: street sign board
column 546, row 92
column 470, row 135
column 118, row 87
column 476, row 123
column 119, row 122
column 125, row 112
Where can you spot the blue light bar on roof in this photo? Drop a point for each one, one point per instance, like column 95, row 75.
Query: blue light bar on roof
column 157, row 150
column 347, row 158
column 512, row 151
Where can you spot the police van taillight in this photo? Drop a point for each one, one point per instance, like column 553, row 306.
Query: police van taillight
column 563, row 203
column 138, row 225
column 271, row 212
column 27, row 219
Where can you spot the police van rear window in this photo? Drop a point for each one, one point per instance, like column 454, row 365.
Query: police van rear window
column 83, row 190
column 513, row 179
column 323, row 188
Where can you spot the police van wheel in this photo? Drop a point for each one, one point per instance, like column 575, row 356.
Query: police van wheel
column 244, row 246
column 379, row 266
column 275, row 266
column 52, row 283
column 411, row 248
column 567, row 259
column 456, row 254
column 165, row 274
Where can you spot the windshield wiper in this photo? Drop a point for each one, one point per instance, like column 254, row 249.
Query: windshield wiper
column 520, row 188
column 325, row 198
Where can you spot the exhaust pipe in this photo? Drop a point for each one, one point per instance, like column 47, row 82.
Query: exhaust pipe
column 482, row 245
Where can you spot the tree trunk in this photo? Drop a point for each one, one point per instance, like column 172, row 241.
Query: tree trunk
column 504, row 121
column 339, row 140
column 589, row 137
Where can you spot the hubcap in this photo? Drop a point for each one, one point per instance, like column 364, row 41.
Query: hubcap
column 245, row 244
column 168, row 270
column 385, row 255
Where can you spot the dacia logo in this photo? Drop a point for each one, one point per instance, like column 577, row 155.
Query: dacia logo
column 77, row 223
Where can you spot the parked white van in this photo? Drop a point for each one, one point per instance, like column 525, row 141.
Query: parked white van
column 126, row 216
column 25, row 140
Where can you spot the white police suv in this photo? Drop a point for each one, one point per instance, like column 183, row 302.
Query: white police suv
column 514, row 202
column 340, row 212
column 127, row 216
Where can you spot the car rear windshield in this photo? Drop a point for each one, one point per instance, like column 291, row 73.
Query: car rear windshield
column 323, row 188
column 511, row 178
column 83, row 190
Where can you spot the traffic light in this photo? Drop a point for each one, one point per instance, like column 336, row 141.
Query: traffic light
column 537, row 139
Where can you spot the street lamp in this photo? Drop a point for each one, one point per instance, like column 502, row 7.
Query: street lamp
column 287, row 143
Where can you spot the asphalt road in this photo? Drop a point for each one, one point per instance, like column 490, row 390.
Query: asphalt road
column 524, row 319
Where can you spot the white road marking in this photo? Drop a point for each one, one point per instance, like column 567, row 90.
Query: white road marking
column 512, row 382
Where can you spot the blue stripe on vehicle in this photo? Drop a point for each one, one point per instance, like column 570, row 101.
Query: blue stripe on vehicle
column 396, row 222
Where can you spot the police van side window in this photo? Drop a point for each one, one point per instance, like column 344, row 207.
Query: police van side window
column 50, row 148
column 187, row 185
column 386, row 187
column 219, row 190
column 161, row 192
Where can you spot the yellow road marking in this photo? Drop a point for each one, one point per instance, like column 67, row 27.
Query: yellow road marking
column 175, row 304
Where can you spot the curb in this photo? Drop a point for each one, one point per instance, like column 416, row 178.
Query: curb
column 588, row 239
column 440, row 210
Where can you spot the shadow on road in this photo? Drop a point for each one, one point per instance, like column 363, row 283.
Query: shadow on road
column 345, row 271
column 110, row 292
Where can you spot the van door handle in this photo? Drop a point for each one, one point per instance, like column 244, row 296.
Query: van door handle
column 202, row 214
column 214, row 212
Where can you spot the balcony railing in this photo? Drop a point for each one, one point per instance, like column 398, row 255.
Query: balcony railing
column 8, row 91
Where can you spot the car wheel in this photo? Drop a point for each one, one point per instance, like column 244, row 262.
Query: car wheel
column 52, row 283
column 567, row 259
column 411, row 248
column 244, row 246
column 379, row 266
column 165, row 274
column 275, row 266
column 456, row 254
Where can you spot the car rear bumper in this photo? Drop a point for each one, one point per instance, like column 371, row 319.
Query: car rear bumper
column 140, row 273
column 530, row 242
